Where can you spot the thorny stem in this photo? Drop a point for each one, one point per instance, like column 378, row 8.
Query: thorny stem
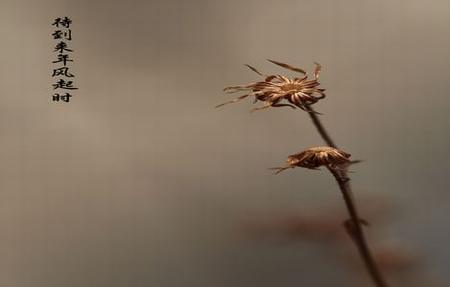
column 354, row 225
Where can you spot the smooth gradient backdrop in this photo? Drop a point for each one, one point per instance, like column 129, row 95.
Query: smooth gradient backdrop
column 139, row 181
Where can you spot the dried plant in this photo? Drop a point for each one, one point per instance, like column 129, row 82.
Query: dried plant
column 274, row 91
column 299, row 92
column 314, row 157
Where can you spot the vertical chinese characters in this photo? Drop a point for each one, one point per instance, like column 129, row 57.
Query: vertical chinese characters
column 64, row 84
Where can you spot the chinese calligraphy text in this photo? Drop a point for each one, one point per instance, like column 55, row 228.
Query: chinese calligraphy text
column 63, row 79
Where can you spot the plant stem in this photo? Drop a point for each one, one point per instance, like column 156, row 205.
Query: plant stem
column 355, row 228
column 320, row 128
column 354, row 225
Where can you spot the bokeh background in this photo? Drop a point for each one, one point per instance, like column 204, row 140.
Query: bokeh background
column 139, row 181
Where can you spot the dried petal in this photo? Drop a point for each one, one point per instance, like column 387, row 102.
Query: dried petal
column 254, row 70
column 286, row 66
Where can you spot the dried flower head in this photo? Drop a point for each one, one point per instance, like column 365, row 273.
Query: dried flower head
column 314, row 157
column 299, row 92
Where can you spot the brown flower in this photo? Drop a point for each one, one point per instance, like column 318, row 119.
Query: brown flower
column 299, row 92
column 314, row 157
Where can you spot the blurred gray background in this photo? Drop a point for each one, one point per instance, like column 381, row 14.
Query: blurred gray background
column 139, row 181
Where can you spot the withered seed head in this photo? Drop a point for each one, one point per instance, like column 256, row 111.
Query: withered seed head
column 276, row 90
column 314, row 157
